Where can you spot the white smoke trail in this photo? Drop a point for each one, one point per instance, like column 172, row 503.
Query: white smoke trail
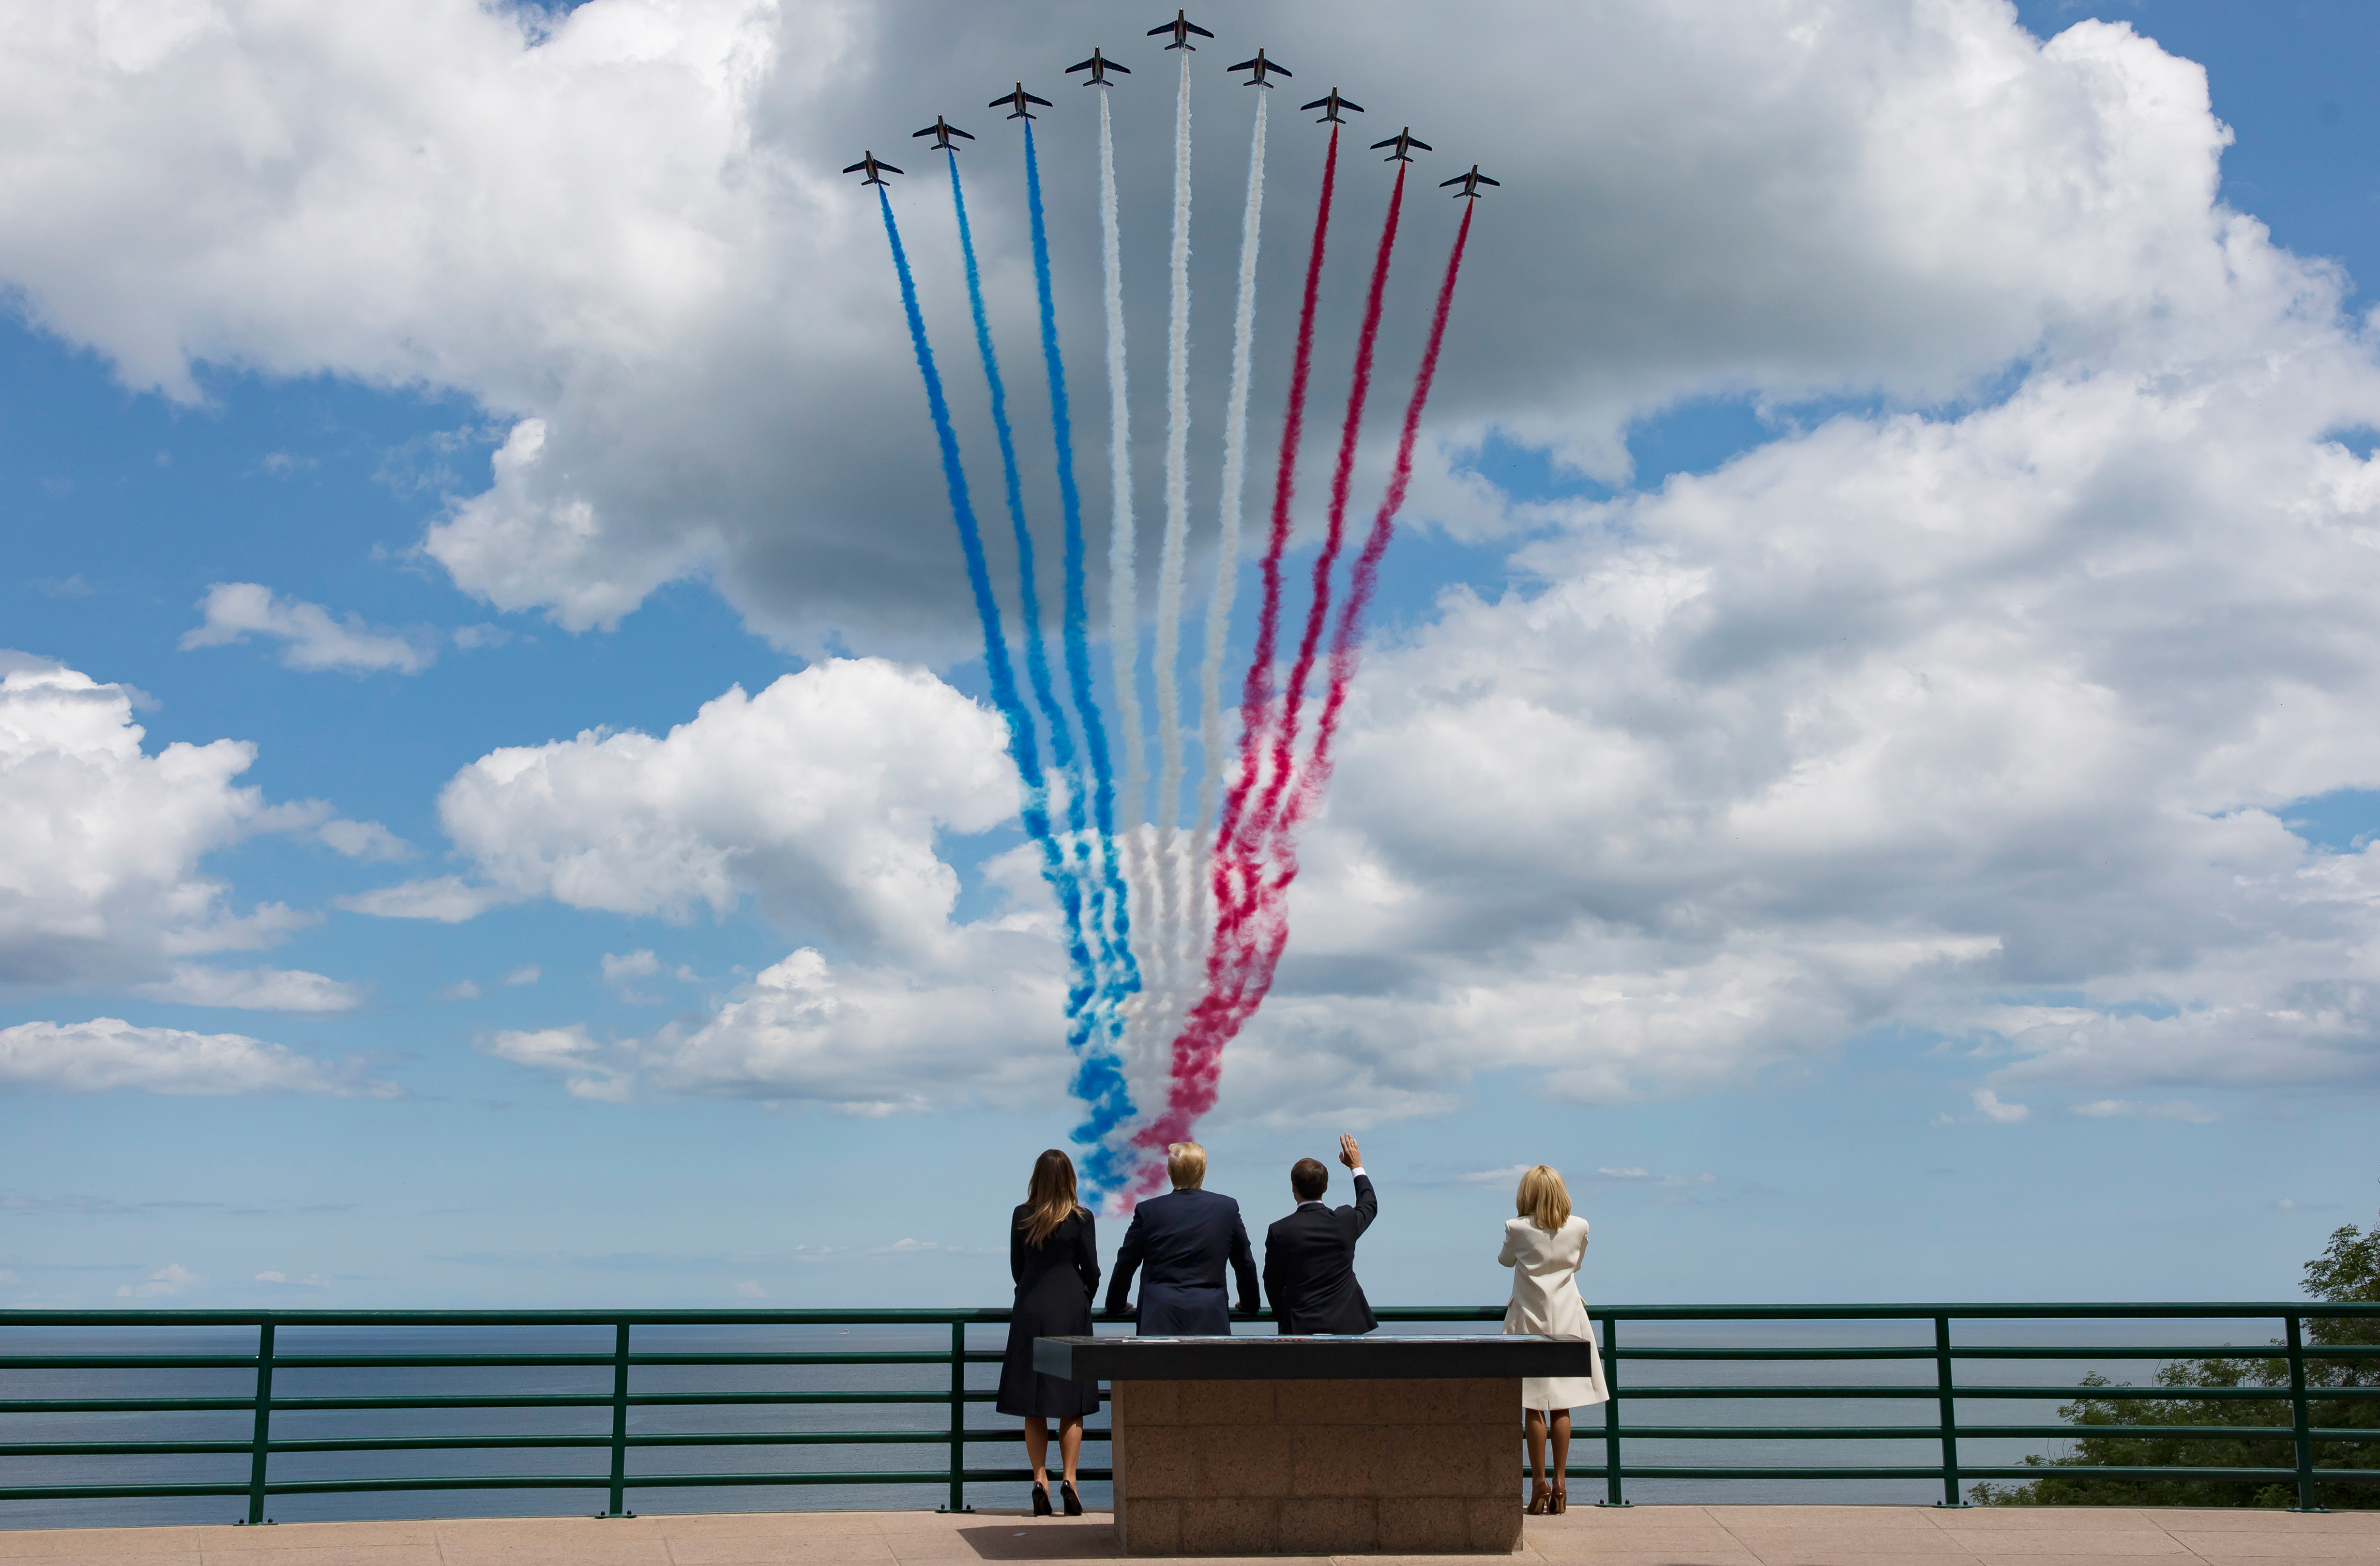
column 1227, row 552
column 1177, row 534
column 1123, row 587
column 1124, row 596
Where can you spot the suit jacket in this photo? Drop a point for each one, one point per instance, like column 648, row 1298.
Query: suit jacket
column 1309, row 1272
column 1185, row 1240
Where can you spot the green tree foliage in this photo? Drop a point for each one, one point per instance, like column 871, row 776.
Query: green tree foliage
column 2348, row 1271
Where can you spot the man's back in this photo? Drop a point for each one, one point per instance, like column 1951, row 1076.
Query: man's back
column 1182, row 1243
column 1309, row 1269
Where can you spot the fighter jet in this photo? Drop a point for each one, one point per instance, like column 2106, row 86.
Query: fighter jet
column 1017, row 101
column 1098, row 66
column 1181, row 27
column 1263, row 67
column 942, row 130
column 1470, row 182
column 1330, row 103
column 877, row 168
column 1403, row 141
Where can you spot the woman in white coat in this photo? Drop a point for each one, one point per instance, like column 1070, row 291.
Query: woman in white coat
column 1544, row 1246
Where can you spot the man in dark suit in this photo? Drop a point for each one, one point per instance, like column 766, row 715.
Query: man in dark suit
column 1309, row 1272
column 1184, row 1239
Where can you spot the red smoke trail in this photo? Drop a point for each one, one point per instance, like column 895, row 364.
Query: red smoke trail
column 1346, row 641
column 1284, row 738
column 1256, row 691
column 1247, row 971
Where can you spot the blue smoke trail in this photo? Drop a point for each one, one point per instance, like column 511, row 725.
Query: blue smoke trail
column 1099, row 1080
column 1036, row 659
column 1078, row 649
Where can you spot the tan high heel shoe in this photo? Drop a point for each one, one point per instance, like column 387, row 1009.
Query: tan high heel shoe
column 1541, row 1498
column 1562, row 1498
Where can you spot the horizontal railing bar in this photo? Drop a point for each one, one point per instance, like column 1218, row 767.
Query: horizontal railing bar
column 129, row 1361
column 941, row 1437
column 116, row 1492
column 1932, row 1433
column 126, row 1405
column 1995, row 1350
column 2164, row 1432
column 469, row 1443
column 536, row 1361
column 458, row 1400
column 2032, row 1394
column 991, row 1317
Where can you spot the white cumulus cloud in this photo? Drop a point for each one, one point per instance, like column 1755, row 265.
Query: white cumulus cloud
column 107, row 1053
column 166, row 1281
column 263, row 990
column 102, row 841
column 822, row 796
column 310, row 639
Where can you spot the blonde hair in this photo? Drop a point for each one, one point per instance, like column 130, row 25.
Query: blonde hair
column 1185, row 1165
column 1544, row 1199
column 1049, row 1199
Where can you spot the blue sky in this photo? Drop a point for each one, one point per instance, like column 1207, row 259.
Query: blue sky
column 1779, row 1061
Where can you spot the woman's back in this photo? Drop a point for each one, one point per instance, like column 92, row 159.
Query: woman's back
column 1064, row 1264
column 1545, row 1266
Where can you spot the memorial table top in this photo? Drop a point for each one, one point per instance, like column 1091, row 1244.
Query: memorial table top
column 1274, row 1357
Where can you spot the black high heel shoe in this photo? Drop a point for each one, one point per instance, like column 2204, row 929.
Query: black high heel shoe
column 1041, row 1502
column 1066, row 1493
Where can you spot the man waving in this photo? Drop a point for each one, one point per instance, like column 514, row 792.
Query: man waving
column 1309, row 1271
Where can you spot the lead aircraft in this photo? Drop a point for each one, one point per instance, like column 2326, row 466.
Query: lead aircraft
column 1181, row 27
column 1017, row 100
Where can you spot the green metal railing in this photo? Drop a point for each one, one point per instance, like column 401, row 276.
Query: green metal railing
column 614, row 1480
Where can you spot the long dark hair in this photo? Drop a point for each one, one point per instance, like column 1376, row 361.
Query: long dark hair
column 1049, row 1199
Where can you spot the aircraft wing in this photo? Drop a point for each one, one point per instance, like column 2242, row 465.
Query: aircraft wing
column 882, row 167
column 1417, row 141
column 857, row 168
column 1199, row 31
column 1271, row 70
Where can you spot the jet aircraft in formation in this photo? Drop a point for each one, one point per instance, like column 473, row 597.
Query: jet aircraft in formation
column 1017, row 100
column 1263, row 67
column 1018, row 103
column 1181, row 27
column 1330, row 103
column 1098, row 66
column 942, row 130
column 1470, row 182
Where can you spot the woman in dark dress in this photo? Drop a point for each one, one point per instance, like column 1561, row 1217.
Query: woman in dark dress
column 1053, row 1253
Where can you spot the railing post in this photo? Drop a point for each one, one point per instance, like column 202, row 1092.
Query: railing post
column 2302, row 1418
column 260, row 1446
column 1945, row 1381
column 619, row 1507
column 958, row 1418
column 1611, row 1496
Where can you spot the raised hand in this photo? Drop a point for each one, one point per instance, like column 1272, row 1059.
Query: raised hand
column 1348, row 1154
